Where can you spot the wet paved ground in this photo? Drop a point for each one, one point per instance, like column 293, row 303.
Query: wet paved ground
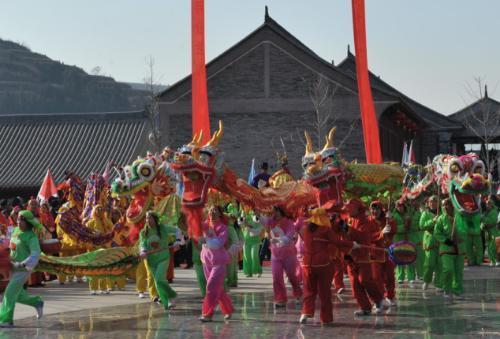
column 417, row 315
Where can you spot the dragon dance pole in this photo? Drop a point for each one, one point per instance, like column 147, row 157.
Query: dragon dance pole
column 368, row 117
column 199, row 96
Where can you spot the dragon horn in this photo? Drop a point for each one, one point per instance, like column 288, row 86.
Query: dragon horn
column 329, row 138
column 216, row 137
column 309, row 146
column 200, row 137
column 193, row 142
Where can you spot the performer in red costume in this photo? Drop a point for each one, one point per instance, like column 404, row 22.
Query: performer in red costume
column 382, row 267
column 317, row 268
column 337, row 255
column 363, row 231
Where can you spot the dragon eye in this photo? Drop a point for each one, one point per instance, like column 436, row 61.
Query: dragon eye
column 454, row 168
column 146, row 171
column 478, row 167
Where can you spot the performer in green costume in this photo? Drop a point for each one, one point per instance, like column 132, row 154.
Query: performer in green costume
column 233, row 246
column 24, row 255
column 451, row 233
column 473, row 242
column 489, row 226
column 432, row 264
column 406, row 230
column 417, row 237
column 251, row 243
column 198, row 267
column 153, row 242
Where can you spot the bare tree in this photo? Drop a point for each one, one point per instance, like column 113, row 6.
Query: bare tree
column 322, row 93
column 152, row 104
column 482, row 119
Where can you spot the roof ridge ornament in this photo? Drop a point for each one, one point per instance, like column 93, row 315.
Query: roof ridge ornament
column 485, row 91
column 266, row 14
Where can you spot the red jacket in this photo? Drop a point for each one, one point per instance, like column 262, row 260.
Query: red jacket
column 365, row 232
column 382, row 240
column 317, row 245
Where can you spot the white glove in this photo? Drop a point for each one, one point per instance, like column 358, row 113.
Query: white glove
column 355, row 245
column 17, row 265
column 386, row 229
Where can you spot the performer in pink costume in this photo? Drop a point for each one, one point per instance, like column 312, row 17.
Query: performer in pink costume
column 283, row 257
column 215, row 258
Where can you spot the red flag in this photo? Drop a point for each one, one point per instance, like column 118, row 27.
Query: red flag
column 368, row 117
column 48, row 188
column 200, row 116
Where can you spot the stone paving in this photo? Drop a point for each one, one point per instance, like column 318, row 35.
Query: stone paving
column 72, row 313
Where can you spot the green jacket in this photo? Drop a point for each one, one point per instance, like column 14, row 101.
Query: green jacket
column 427, row 225
column 443, row 230
column 472, row 223
column 489, row 222
column 25, row 248
column 155, row 239
column 401, row 232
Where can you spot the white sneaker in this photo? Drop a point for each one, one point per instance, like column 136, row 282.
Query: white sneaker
column 425, row 286
column 447, row 295
column 39, row 310
column 412, row 284
column 227, row 316
column 379, row 307
column 497, row 264
column 340, row 290
column 108, row 291
column 393, row 302
column 141, row 295
column 303, row 319
column 93, row 292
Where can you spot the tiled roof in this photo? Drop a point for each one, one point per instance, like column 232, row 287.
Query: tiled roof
column 270, row 30
column 434, row 119
column 30, row 144
column 468, row 116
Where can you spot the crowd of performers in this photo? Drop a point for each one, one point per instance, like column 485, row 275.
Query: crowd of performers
column 314, row 250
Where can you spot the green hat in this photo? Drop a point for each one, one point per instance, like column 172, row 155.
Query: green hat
column 30, row 218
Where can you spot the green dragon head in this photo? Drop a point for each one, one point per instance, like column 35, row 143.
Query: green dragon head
column 463, row 179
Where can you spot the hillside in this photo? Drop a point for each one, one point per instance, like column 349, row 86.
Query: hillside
column 33, row 83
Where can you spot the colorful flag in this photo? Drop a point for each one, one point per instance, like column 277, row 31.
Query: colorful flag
column 404, row 160
column 48, row 188
column 251, row 174
column 411, row 154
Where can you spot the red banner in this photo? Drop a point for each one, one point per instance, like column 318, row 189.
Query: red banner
column 200, row 116
column 368, row 117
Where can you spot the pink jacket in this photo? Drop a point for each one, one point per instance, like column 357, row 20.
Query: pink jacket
column 213, row 252
column 282, row 233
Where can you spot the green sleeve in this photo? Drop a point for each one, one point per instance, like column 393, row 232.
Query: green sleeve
column 491, row 217
column 439, row 230
column 232, row 235
column 142, row 240
column 400, row 226
column 34, row 245
column 427, row 222
column 168, row 229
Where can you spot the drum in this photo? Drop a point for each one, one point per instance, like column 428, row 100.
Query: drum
column 50, row 246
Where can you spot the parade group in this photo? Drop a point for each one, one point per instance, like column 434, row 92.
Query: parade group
column 339, row 218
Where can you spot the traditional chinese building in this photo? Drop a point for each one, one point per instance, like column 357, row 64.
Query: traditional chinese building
column 261, row 89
